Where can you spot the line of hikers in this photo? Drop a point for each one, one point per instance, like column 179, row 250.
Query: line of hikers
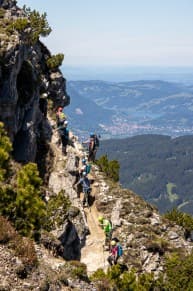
column 113, row 245
column 83, row 183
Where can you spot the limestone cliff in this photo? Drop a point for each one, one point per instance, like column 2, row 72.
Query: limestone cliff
column 24, row 76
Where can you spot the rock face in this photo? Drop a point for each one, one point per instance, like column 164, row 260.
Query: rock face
column 24, row 76
column 145, row 235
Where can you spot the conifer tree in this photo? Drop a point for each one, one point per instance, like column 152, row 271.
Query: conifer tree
column 30, row 208
column 5, row 149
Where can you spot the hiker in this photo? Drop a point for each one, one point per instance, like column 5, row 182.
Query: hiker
column 107, row 227
column 43, row 104
column 93, row 146
column 119, row 247
column 85, row 182
column 85, row 167
column 60, row 117
column 112, row 259
column 64, row 136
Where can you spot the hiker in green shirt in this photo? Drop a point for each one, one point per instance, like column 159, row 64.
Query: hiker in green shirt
column 107, row 227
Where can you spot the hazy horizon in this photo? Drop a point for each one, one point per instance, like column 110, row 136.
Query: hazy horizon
column 128, row 73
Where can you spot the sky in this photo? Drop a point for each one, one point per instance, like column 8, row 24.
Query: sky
column 119, row 33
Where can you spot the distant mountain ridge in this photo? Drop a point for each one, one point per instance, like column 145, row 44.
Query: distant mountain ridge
column 157, row 167
column 121, row 109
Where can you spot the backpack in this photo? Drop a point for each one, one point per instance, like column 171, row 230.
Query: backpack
column 64, row 132
column 96, row 141
column 88, row 168
column 119, row 250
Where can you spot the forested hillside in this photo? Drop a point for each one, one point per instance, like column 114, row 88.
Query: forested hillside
column 157, row 167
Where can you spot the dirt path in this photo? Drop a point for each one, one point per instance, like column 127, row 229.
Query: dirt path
column 93, row 254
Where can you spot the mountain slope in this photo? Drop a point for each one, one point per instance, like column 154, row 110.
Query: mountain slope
column 128, row 108
column 157, row 167
column 84, row 114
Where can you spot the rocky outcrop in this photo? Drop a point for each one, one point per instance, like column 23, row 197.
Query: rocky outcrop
column 24, row 76
column 145, row 235
column 7, row 4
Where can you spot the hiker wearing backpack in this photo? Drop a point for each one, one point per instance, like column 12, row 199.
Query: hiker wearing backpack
column 85, row 182
column 112, row 259
column 116, row 251
column 107, row 227
column 64, row 135
column 60, row 117
column 85, row 167
column 119, row 247
column 92, row 147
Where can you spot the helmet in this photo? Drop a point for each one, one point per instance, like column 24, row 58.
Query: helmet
column 100, row 218
column 83, row 161
column 84, row 174
column 113, row 243
column 65, row 122
column 44, row 95
column 92, row 134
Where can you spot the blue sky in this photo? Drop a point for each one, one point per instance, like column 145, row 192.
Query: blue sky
column 122, row 33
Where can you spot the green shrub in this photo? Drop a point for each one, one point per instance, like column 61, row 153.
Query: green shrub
column 110, row 168
column 183, row 219
column 30, row 209
column 19, row 24
column 7, row 201
column 56, row 210
column 119, row 280
column 179, row 272
column 38, row 23
column 5, row 150
column 98, row 275
column 55, row 61
column 78, row 270
column 128, row 281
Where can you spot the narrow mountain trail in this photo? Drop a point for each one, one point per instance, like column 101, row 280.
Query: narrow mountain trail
column 93, row 253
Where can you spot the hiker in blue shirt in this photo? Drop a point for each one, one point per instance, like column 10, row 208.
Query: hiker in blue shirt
column 85, row 182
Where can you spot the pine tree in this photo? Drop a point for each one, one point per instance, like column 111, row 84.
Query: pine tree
column 30, row 208
column 5, row 149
